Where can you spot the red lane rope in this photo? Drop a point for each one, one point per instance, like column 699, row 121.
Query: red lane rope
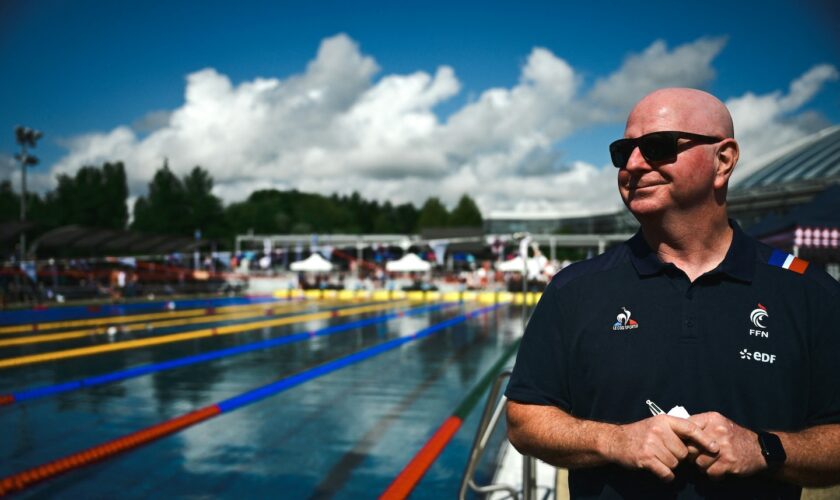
column 414, row 470
column 29, row 477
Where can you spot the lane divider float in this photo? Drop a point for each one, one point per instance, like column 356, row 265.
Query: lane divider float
column 408, row 478
column 192, row 335
column 19, row 481
column 249, row 311
column 128, row 318
column 108, row 378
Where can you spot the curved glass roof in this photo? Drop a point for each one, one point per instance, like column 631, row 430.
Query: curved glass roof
column 813, row 160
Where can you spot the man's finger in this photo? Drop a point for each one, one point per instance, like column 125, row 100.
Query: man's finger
column 701, row 419
column 716, row 471
column 690, row 431
column 661, row 470
column 704, row 461
column 667, row 458
column 675, row 446
column 693, row 452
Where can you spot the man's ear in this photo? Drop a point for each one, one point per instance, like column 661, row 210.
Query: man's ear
column 725, row 161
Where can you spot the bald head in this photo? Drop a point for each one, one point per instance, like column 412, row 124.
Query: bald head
column 687, row 110
column 693, row 183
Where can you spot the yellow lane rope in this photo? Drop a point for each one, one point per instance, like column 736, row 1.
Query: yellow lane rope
column 112, row 320
column 197, row 334
column 207, row 318
column 484, row 297
column 102, row 324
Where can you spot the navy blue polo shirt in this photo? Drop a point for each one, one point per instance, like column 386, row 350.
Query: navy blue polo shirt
column 756, row 339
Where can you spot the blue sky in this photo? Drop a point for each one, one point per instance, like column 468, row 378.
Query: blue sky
column 84, row 69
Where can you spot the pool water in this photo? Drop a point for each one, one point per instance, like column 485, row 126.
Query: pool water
column 345, row 434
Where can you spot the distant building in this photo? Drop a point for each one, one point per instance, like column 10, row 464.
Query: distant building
column 554, row 223
column 786, row 178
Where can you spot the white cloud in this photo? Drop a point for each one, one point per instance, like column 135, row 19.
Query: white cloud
column 688, row 65
column 8, row 165
column 153, row 120
column 37, row 180
column 764, row 122
column 339, row 127
column 536, row 111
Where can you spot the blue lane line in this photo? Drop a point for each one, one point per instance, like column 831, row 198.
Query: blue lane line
column 299, row 378
column 40, row 392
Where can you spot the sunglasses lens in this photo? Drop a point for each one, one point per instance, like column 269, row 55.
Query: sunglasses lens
column 658, row 147
column 620, row 151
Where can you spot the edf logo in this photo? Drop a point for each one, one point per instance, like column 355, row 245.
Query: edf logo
column 758, row 356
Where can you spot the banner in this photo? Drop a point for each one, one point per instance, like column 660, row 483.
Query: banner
column 439, row 248
column 29, row 269
column 327, row 251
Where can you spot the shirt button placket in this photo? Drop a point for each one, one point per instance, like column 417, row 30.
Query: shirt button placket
column 689, row 320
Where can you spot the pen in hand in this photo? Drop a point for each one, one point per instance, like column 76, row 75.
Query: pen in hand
column 654, row 409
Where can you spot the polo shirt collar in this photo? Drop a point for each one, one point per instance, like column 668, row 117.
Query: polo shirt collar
column 740, row 258
column 738, row 263
column 644, row 259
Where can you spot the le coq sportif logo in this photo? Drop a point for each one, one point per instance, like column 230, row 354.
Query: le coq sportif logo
column 624, row 321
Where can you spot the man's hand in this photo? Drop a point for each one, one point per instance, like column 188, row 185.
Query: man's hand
column 740, row 453
column 658, row 444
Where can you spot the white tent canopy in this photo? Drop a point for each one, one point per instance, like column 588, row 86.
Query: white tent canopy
column 536, row 265
column 410, row 263
column 513, row 265
column 313, row 263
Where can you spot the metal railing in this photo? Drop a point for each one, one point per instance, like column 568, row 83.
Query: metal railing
column 489, row 420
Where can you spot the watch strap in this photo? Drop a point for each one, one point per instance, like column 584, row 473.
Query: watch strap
column 771, row 449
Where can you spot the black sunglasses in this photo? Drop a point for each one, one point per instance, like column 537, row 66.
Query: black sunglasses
column 656, row 147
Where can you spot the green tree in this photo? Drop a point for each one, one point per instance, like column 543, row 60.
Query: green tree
column 386, row 219
column 315, row 213
column 432, row 214
column 266, row 211
column 284, row 212
column 406, row 217
column 9, row 203
column 466, row 214
column 181, row 206
column 164, row 209
column 92, row 197
column 205, row 211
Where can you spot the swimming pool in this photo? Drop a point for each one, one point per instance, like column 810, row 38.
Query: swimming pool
column 344, row 433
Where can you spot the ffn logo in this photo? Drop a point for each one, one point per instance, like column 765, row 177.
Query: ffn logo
column 757, row 316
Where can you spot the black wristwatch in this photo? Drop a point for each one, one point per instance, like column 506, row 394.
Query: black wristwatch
column 772, row 450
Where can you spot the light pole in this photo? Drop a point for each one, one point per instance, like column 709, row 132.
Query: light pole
column 26, row 137
column 524, row 242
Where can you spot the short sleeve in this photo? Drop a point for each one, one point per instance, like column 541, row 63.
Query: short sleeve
column 539, row 375
column 824, row 399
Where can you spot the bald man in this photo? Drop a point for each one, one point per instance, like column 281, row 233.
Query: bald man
column 689, row 313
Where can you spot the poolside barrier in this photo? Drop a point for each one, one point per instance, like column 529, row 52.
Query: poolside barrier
column 482, row 297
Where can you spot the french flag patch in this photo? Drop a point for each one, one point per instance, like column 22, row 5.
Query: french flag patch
column 788, row 261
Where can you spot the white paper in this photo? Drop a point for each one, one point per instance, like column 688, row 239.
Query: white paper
column 678, row 411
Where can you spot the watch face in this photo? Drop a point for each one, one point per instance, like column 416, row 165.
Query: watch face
column 771, row 448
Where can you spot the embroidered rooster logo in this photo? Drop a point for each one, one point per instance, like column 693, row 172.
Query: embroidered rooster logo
column 758, row 315
column 623, row 321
